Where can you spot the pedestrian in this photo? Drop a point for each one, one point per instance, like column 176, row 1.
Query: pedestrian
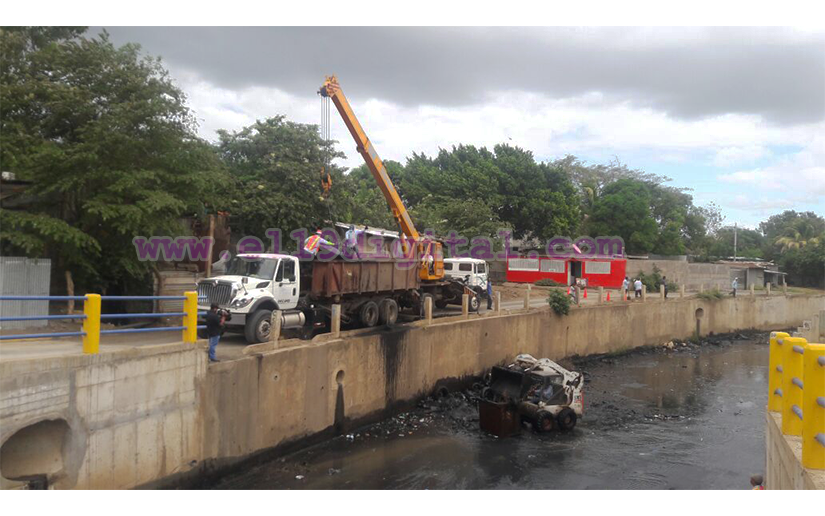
column 489, row 293
column 756, row 483
column 637, row 286
column 625, row 287
column 734, row 284
column 664, row 282
column 313, row 244
column 214, row 327
column 351, row 241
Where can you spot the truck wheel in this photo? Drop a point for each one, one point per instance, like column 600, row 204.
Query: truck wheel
column 441, row 304
column 544, row 422
column 388, row 311
column 258, row 327
column 475, row 302
column 369, row 314
column 566, row 419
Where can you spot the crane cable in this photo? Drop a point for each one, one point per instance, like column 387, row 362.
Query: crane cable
column 326, row 135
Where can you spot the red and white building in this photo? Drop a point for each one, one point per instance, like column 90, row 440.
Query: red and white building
column 596, row 271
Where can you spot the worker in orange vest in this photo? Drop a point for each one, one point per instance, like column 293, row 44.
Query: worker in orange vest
column 313, row 244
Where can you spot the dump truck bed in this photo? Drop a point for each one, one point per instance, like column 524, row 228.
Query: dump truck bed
column 339, row 277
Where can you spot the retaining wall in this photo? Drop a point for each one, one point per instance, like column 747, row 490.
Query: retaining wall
column 692, row 275
column 783, row 461
column 158, row 414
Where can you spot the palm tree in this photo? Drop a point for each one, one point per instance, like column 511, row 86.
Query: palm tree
column 799, row 234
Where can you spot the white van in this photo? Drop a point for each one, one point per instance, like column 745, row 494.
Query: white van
column 475, row 272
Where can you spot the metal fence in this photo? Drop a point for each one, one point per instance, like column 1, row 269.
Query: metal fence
column 92, row 317
column 24, row 277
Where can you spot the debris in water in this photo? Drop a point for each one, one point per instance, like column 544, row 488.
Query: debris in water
column 299, row 477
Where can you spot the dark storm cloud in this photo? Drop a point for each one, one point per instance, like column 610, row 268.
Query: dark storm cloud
column 688, row 73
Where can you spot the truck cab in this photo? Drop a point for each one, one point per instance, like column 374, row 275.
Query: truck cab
column 252, row 286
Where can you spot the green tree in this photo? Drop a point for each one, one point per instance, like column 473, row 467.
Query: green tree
column 749, row 243
column 623, row 209
column 109, row 146
column 276, row 166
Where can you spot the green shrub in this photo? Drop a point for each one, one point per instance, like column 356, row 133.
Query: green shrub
column 654, row 280
column 547, row 282
column 559, row 302
column 710, row 295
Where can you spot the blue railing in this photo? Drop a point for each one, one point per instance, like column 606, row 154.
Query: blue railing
column 91, row 318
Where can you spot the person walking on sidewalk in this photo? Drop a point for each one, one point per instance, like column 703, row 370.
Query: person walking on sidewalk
column 734, row 284
column 214, row 327
column 625, row 288
column 489, row 293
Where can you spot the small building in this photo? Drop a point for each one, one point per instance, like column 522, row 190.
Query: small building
column 754, row 273
column 585, row 270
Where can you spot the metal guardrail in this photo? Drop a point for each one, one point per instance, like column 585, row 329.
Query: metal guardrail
column 796, row 388
column 91, row 317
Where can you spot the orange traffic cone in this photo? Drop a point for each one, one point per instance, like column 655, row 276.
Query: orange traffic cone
column 585, row 293
column 608, row 297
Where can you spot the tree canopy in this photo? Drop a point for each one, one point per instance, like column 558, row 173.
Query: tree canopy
column 109, row 146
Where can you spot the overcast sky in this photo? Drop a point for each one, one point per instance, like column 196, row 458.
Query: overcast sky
column 737, row 114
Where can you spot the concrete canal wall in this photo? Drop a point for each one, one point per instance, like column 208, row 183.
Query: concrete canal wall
column 153, row 416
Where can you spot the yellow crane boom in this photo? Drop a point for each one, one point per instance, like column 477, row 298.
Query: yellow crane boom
column 333, row 90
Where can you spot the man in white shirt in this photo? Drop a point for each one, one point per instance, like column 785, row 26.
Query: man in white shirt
column 637, row 286
column 625, row 288
column 734, row 284
column 351, row 241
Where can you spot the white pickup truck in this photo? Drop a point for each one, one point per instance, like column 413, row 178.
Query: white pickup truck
column 472, row 271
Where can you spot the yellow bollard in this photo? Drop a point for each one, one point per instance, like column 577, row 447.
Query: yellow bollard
column 813, row 407
column 792, row 371
column 91, row 324
column 775, row 371
column 190, row 320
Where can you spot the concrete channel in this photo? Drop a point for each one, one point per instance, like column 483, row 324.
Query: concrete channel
column 158, row 416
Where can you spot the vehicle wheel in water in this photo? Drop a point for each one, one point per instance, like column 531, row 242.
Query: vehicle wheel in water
column 258, row 327
column 566, row 419
column 544, row 422
column 388, row 311
column 369, row 314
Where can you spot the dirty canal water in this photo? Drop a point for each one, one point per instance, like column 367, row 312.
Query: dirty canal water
column 690, row 417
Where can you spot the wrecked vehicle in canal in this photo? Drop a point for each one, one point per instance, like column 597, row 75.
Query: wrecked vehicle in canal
column 530, row 390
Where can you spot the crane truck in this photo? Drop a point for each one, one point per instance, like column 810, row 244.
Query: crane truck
column 369, row 291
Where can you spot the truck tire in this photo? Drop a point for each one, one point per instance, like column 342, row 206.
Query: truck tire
column 258, row 326
column 388, row 311
column 475, row 303
column 544, row 422
column 566, row 419
column 369, row 314
column 441, row 304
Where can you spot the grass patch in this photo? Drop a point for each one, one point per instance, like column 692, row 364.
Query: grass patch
column 547, row 282
column 710, row 295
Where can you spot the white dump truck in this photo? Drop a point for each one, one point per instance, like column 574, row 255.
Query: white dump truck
column 370, row 292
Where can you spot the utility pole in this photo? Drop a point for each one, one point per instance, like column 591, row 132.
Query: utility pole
column 734, row 241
